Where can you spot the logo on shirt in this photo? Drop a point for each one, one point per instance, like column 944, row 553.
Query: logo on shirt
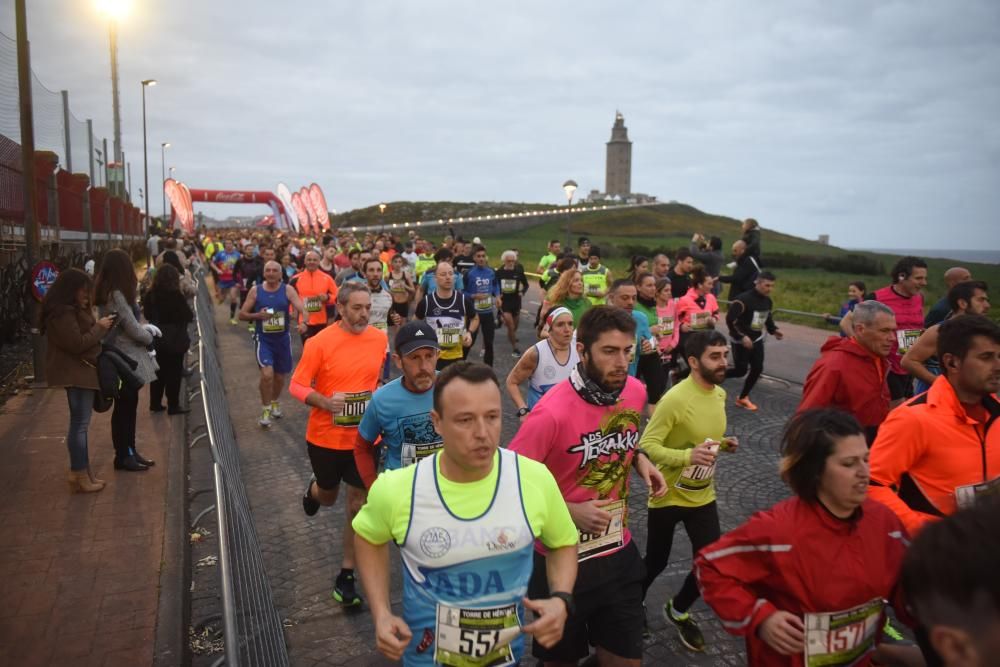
column 505, row 541
column 435, row 542
column 605, row 454
column 597, row 444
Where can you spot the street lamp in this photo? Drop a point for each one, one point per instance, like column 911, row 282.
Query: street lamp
column 115, row 10
column 163, row 177
column 381, row 210
column 569, row 187
column 145, row 153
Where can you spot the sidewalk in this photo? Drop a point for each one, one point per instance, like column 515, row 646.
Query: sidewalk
column 80, row 573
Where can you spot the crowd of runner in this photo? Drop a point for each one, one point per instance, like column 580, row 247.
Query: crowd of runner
column 893, row 457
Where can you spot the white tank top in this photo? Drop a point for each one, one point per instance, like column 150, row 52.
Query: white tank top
column 549, row 372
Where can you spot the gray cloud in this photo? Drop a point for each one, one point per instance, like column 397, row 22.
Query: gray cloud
column 869, row 121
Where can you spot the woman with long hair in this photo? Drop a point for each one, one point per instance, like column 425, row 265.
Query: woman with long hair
column 567, row 292
column 73, row 341
column 115, row 292
column 666, row 328
column 166, row 307
column 638, row 265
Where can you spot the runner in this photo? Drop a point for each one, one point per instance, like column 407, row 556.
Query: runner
column 666, row 330
column 513, row 285
column 680, row 275
column 351, row 271
column 903, row 297
column 267, row 307
column 546, row 363
column 317, row 290
column 697, row 309
column 850, row 372
column 582, row 253
column 223, row 263
column 450, row 313
column 428, row 283
column 645, row 363
column 482, row 286
column 586, row 431
column 683, row 438
column 554, row 251
column 401, row 287
column 661, row 266
column 596, row 277
column 336, row 376
column 425, row 262
column 749, row 316
column 941, row 450
column 939, row 311
column 464, row 600
column 950, row 580
column 568, row 293
column 382, row 314
column 400, row 411
column 806, row 581
column 968, row 298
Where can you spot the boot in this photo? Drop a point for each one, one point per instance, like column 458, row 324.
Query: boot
column 94, row 479
column 79, row 480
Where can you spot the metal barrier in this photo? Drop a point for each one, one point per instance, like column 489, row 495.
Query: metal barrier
column 253, row 631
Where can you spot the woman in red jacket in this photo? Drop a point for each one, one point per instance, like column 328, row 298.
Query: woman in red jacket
column 806, row 581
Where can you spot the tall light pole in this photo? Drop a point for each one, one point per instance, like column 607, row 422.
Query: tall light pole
column 569, row 187
column 115, row 10
column 163, row 177
column 145, row 153
column 381, row 220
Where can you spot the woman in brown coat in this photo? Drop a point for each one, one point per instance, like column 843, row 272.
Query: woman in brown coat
column 73, row 343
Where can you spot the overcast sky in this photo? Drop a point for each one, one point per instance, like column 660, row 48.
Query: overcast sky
column 874, row 122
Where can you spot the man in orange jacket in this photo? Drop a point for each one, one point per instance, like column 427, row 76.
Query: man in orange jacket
column 850, row 374
column 941, row 450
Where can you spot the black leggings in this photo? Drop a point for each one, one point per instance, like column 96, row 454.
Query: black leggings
column 168, row 380
column 742, row 358
column 702, row 526
column 488, row 325
column 650, row 370
column 123, row 422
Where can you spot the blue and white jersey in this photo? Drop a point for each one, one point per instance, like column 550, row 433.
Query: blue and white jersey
column 403, row 419
column 464, row 580
column 277, row 304
column 482, row 287
column 549, row 372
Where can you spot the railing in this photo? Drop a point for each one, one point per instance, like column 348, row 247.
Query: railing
column 253, row 631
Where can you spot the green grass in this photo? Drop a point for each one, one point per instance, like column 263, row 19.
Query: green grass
column 671, row 226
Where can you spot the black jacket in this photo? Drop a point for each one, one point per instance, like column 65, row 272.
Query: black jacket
column 114, row 367
column 749, row 314
column 743, row 278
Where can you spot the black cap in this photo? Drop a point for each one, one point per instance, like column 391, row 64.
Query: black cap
column 595, row 251
column 415, row 335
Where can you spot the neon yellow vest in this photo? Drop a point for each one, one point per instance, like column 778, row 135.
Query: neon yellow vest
column 594, row 281
column 424, row 264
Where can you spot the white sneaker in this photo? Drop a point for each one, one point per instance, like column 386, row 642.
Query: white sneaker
column 276, row 412
column 265, row 417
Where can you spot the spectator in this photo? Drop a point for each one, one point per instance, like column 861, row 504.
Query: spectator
column 187, row 282
column 939, row 311
column 166, row 307
column 751, row 236
column 152, row 247
column 680, row 278
column 709, row 253
column 745, row 274
column 850, row 373
column 115, row 293
column 73, row 340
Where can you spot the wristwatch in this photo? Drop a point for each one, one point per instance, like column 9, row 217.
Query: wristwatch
column 523, row 411
column 567, row 598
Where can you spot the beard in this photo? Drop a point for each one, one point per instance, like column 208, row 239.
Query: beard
column 711, row 376
column 608, row 385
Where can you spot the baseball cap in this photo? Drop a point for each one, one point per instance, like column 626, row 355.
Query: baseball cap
column 415, row 335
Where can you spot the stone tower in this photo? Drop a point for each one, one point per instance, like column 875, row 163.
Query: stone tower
column 618, row 176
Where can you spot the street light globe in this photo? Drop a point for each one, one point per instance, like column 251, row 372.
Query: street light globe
column 569, row 187
column 116, row 10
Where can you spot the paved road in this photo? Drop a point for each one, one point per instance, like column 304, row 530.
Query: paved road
column 302, row 554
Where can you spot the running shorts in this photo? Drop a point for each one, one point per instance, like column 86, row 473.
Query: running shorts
column 274, row 350
column 227, row 284
column 333, row 466
column 609, row 613
column 312, row 330
column 900, row 386
column 511, row 304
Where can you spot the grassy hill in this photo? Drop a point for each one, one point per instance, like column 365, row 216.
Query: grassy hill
column 802, row 282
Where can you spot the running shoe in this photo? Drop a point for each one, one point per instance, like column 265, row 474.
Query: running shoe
column 250, row 328
column 687, row 629
column 516, row 352
column 233, row 321
column 746, row 404
column 891, row 632
column 276, row 412
column 265, row 416
column 345, row 592
column 309, row 504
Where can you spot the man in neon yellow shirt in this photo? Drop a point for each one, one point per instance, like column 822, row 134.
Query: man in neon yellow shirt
column 683, row 438
column 466, row 521
column 597, row 278
column 555, row 249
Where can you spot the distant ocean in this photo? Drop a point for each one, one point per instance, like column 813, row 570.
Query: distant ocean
column 984, row 256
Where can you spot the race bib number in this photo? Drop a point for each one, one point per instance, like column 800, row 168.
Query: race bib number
column 484, row 301
column 613, row 537
column 841, row 637
column 449, row 336
column 696, row 478
column 759, row 318
column 397, row 286
column 380, row 324
column 970, row 494
column 508, row 285
column 666, row 325
column 906, row 338
column 413, row 452
column 474, row 637
column 700, row 319
column 275, row 323
column 354, row 408
column 593, row 289
column 313, row 304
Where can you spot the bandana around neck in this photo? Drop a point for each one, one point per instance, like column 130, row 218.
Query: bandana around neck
column 589, row 390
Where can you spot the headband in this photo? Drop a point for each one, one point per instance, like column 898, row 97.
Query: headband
column 556, row 312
